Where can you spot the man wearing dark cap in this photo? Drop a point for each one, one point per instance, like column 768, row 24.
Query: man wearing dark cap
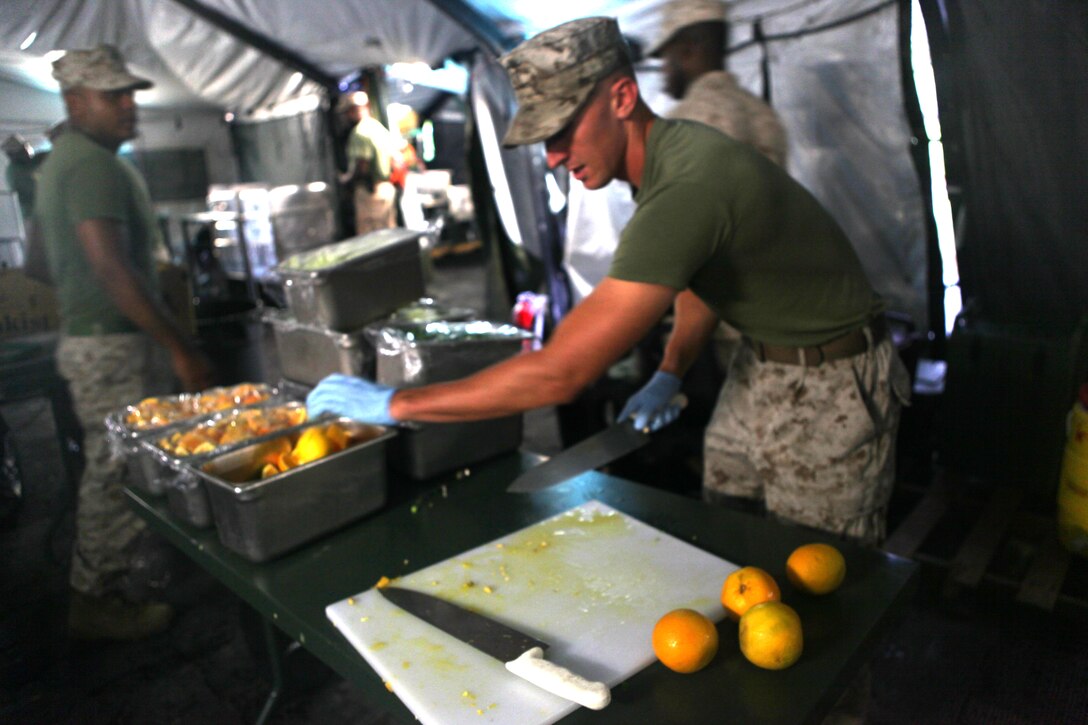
column 100, row 234
column 720, row 233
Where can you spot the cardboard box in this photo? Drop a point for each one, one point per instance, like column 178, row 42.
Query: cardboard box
column 26, row 306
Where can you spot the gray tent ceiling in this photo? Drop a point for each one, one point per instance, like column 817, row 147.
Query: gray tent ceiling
column 195, row 62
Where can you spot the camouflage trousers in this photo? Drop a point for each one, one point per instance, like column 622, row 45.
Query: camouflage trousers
column 815, row 444
column 104, row 374
column 375, row 209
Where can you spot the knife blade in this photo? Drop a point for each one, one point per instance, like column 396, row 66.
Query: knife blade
column 597, row 450
column 522, row 654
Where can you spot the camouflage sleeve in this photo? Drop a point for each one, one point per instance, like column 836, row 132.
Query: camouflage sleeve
column 736, row 113
column 768, row 135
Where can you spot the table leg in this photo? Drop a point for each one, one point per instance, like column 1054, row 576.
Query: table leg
column 275, row 662
column 279, row 671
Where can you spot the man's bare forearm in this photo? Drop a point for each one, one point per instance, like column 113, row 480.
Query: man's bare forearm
column 694, row 322
column 100, row 242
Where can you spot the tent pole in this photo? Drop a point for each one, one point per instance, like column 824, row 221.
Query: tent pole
column 261, row 42
column 477, row 24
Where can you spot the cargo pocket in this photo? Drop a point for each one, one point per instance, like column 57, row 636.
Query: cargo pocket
column 852, row 418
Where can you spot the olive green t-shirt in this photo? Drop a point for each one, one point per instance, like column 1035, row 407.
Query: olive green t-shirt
column 715, row 216
column 82, row 180
column 372, row 142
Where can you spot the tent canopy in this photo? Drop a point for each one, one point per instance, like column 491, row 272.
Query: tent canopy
column 279, row 50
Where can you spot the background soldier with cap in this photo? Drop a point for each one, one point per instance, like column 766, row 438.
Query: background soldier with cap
column 720, row 232
column 101, row 239
column 372, row 152
column 692, row 44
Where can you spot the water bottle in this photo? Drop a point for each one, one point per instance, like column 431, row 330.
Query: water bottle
column 1073, row 480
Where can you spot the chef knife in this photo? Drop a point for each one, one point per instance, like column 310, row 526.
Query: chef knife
column 597, row 450
column 523, row 655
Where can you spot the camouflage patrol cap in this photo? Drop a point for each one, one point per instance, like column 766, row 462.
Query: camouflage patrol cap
column 679, row 14
column 100, row 69
column 555, row 72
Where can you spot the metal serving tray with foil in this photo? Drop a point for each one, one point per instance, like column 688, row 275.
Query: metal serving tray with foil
column 435, row 352
column 158, row 471
column 345, row 295
column 264, row 518
column 124, row 436
column 307, row 353
column 423, row 450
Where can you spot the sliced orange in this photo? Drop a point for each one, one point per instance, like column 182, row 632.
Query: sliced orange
column 337, row 436
column 312, row 445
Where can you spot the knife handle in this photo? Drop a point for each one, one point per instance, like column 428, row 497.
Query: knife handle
column 532, row 666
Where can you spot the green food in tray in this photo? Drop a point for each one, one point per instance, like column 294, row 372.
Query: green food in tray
column 457, row 332
column 333, row 255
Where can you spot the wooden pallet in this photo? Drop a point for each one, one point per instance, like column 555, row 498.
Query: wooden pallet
column 1000, row 520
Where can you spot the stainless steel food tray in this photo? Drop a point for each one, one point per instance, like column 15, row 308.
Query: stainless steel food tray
column 436, row 352
column 423, row 450
column 124, row 437
column 156, row 470
column 348, row 295
column 307, row 353
column 265, row 518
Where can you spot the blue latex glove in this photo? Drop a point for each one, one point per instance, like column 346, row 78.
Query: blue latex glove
column 352, row 397
column 654, row 406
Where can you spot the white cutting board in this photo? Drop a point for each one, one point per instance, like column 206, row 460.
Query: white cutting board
column 591, row 582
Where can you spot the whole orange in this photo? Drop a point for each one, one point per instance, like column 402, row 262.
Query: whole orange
column 816, row 568
column 770, row 635
column 747, row 587
column 685, row 640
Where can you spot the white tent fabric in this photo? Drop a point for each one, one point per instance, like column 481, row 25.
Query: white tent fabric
column 198, row 63
column 840, row 95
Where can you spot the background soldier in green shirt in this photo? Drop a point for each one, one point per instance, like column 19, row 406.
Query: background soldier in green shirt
column 372, row 153
column 719, row 233
column 95, row 217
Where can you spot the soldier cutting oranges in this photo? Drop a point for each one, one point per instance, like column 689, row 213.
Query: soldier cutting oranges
column 806, row 421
